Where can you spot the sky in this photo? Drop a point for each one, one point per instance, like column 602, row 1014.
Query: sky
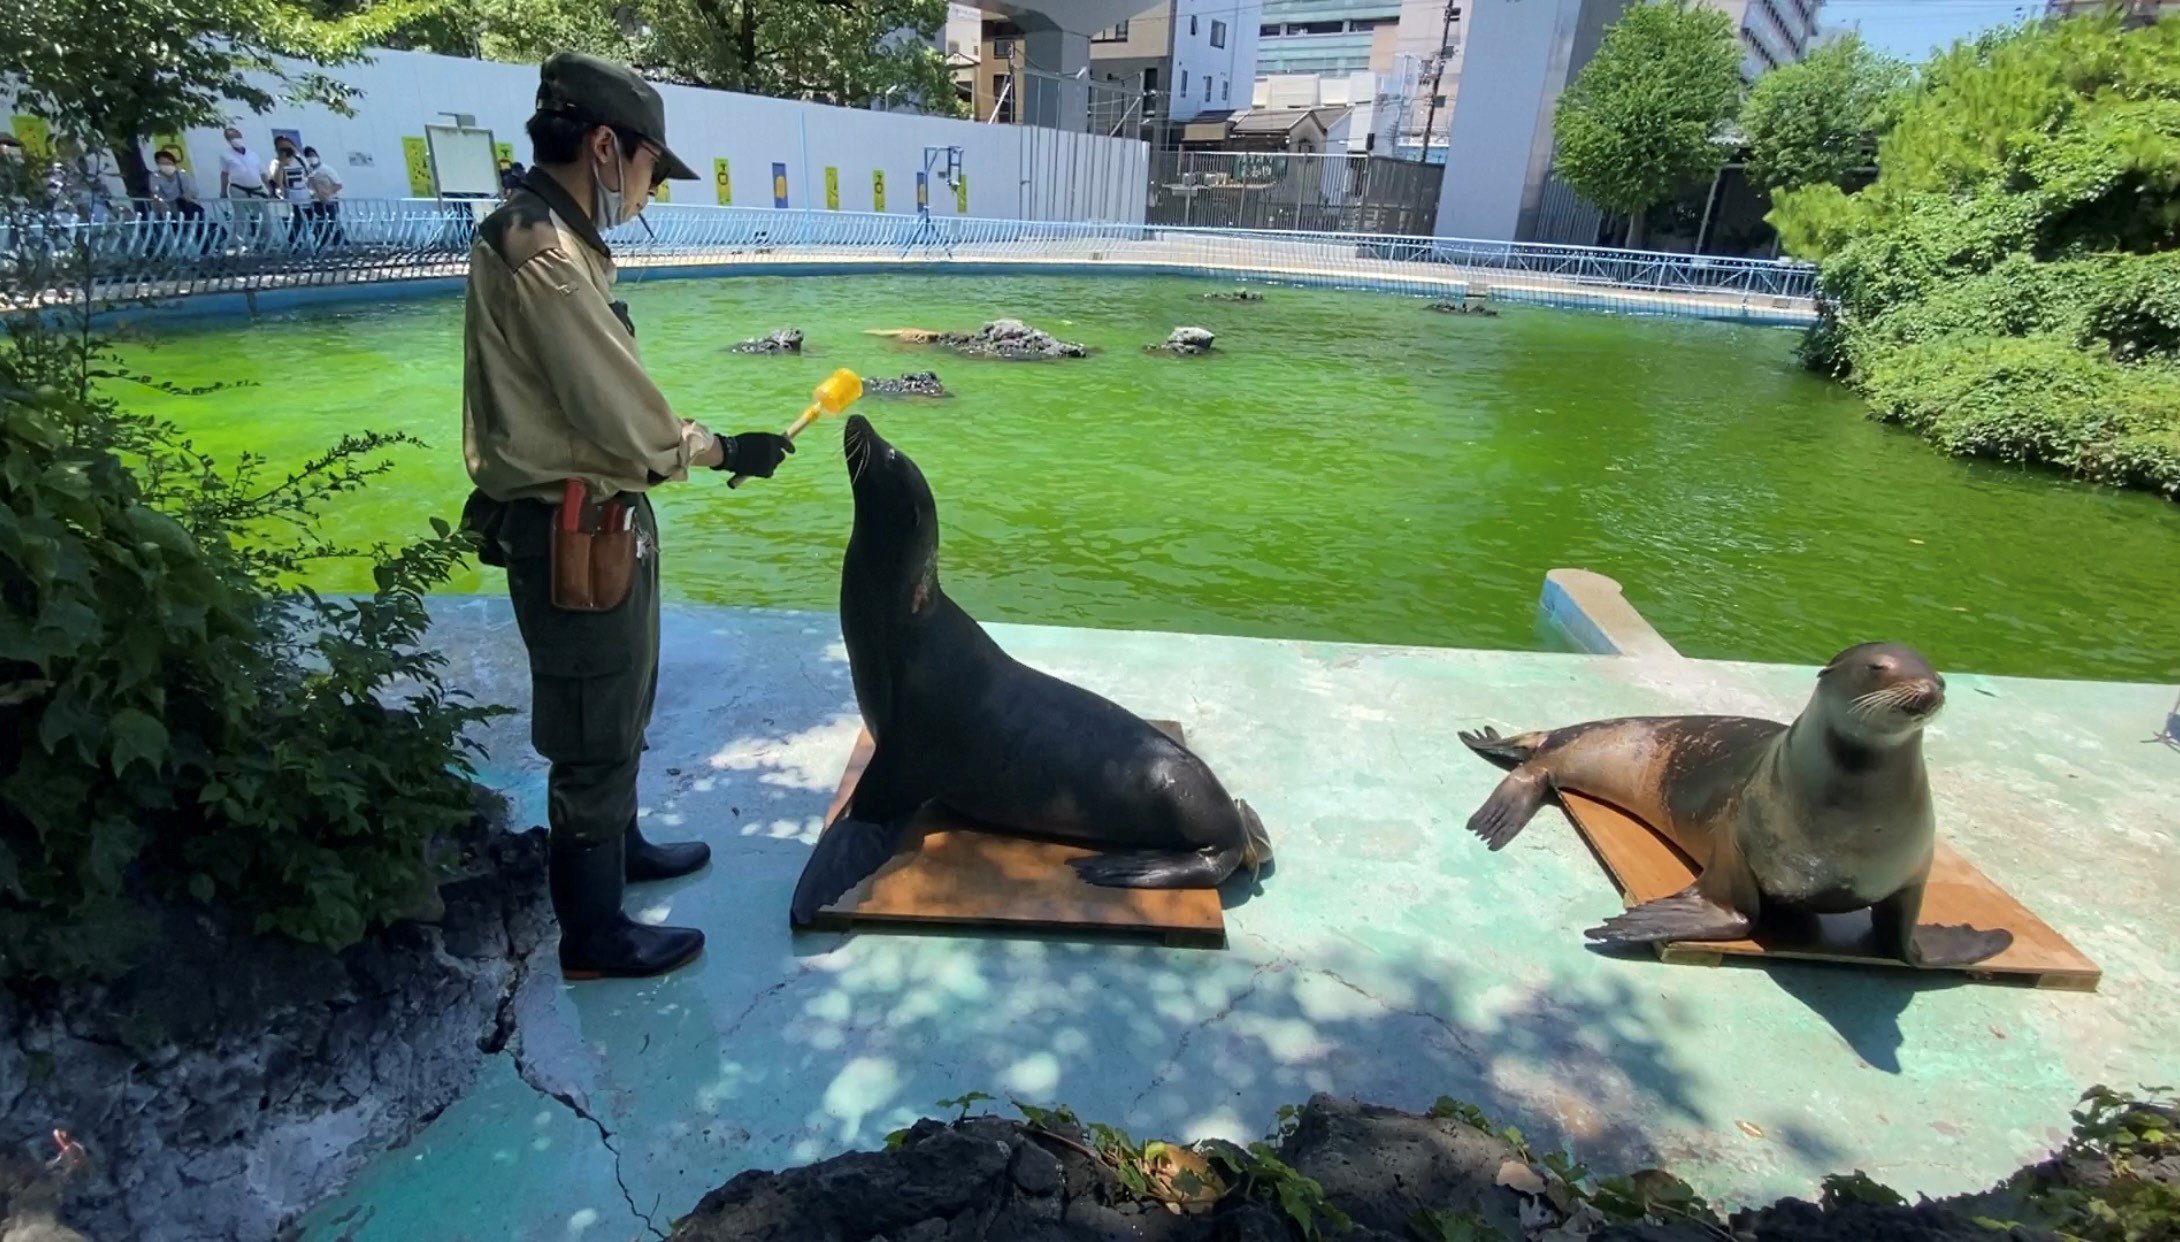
column 1911, row 28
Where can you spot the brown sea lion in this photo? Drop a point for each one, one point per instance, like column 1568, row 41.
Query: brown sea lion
column 1827, row 815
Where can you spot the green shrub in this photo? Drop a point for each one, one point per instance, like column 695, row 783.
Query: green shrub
column 177, row 722
column 2038, row 399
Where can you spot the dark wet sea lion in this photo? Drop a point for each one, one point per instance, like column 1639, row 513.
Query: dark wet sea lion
column 1829, row 814
column 960, row 723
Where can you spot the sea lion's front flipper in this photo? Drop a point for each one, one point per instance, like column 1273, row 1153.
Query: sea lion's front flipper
column 1901, row 933
column 1686, row 915
column 1512, row 805
column 846, row 855
column 1203, row 868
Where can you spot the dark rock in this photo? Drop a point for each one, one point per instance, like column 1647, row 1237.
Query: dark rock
column 857, row 1195
column 783, row 341
column 235, row 1081
column 1485, row 309
column 1380, row 1165
column 1009, row 340
column 911, row 384
column 1233, row 295
column 1036, row 1171
column 1185, row 342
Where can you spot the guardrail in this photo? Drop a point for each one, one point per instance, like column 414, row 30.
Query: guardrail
column 241, row 246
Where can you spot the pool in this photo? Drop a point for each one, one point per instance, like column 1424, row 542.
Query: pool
column 1351, row 467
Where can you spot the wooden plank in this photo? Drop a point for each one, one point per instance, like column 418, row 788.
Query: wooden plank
column 1646, row 866
column 948, row 875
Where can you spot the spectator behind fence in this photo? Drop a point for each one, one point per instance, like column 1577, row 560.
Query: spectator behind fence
column 242, row 179
column 174, row 198
column 325, row 205
column 290, row 179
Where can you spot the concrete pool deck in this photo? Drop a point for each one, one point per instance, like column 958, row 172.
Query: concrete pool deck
column 1388, row 957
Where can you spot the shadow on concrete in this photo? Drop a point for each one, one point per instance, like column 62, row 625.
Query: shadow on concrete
column 1862, row 1004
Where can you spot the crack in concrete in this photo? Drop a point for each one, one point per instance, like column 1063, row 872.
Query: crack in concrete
column 1456, row 1034
column 1180, row 1048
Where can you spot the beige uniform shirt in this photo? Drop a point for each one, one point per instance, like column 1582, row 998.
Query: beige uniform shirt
column 552, row 387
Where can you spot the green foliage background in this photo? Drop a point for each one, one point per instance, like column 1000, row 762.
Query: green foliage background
column 2008, row 286
column 177, row 724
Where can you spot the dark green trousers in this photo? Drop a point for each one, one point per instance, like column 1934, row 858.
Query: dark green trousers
column 593, row 676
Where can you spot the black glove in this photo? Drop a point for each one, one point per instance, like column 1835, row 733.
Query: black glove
column 754, row 452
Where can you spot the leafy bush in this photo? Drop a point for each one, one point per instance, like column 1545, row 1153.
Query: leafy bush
column 177, row 721
column 2008, row 286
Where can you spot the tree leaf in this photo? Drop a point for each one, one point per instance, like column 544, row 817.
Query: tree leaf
column 136, row 736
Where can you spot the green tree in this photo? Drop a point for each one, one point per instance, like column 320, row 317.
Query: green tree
column 1645, row 120
column 856, row 55
column 110, row 75
column 2009, row 286
column 1814, row 122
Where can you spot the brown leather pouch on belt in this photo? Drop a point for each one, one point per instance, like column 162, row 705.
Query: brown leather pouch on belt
column 593, row 552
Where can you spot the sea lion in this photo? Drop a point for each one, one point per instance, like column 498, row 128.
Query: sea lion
column 1829, row 814
column 1009, row 340
column 1013, row 750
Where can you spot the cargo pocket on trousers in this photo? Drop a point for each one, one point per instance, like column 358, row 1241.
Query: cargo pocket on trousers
column 582, row 719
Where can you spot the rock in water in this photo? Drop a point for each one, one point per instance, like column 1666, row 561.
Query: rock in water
column 1186, row 342
column 1466, row 308
column 784, row 341
column 912, row 384
column 1233, row 295
column 1011, row 338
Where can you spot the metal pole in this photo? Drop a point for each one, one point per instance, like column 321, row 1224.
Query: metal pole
column 1438, row 75
column 1710, row 203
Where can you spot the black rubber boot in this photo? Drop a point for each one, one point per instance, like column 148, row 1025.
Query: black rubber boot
column 661, row 862
column 596, row 939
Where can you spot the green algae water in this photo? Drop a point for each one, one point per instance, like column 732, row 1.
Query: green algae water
column 1348, row 466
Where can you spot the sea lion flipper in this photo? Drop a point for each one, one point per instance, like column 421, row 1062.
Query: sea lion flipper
column 845, row 856
column 1686, row 915
column 1512, row 805
column 1901, row 933
column 1157, row 868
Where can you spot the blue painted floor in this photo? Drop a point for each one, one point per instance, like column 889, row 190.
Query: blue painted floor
column 1387, row 957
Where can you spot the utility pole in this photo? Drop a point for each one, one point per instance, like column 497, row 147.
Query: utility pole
column 1438, row 75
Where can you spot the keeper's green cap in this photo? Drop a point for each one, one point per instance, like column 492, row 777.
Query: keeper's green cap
column 604, row 93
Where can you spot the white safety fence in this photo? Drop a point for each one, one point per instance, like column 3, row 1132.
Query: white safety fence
column 152, row 256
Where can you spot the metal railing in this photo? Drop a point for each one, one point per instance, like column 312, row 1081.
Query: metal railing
column 163, row 256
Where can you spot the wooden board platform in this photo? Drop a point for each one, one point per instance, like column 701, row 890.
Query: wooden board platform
column 946, row 875
column 1646, row 866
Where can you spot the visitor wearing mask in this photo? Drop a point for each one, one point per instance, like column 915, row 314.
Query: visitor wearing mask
column 325, row 200
column 242, row 180
column 174, row 198
column 290, row 180
column 555, row 402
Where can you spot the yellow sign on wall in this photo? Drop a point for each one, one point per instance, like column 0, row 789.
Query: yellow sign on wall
column 832, row 188
column 35, row 135
column 723, row 183
column 416, row 157
column 505, row 151
column 878, row 189
column 174, row 143
column 663, row 194
column 961, row 194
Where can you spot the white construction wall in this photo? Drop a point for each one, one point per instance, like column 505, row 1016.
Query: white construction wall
column 810, row 155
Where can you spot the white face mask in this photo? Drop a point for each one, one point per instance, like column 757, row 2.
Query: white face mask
column 236, row 143
column 311, row 160
column 166, row 169
column 608, row 208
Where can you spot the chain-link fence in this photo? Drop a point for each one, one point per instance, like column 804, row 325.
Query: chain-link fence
column 1279, row 190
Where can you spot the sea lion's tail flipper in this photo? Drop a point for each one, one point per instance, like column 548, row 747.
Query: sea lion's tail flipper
column 845, row 856
column 1512, row 805
column 1686, row 915
column 1507, row 752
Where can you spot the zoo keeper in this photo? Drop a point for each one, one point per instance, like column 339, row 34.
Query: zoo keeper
column 565, row 436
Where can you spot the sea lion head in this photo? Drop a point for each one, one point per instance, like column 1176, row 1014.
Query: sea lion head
column 896, row 520
column 1877, row 693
